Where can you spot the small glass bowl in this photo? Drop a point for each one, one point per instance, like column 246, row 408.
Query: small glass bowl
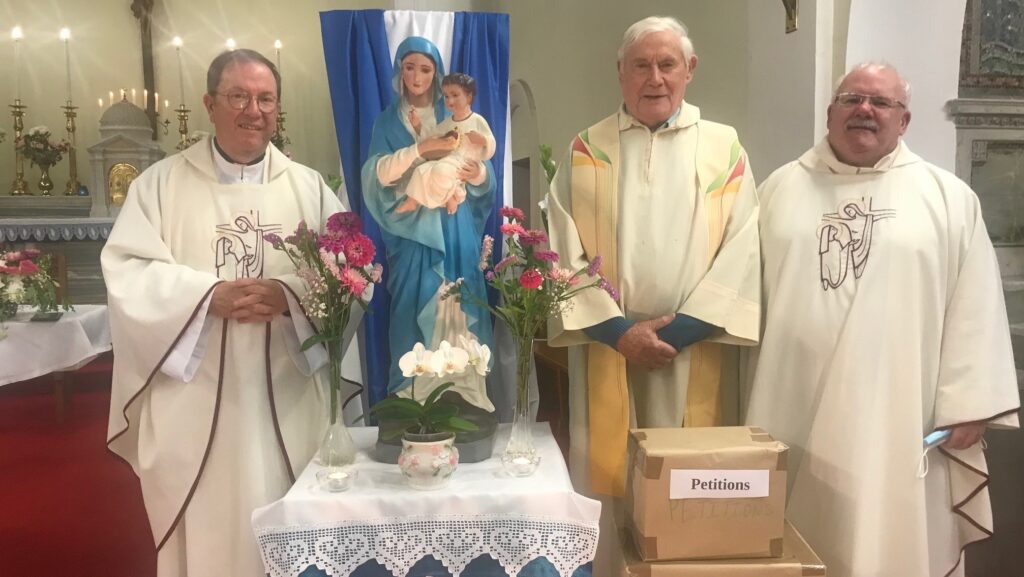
column 335, row 479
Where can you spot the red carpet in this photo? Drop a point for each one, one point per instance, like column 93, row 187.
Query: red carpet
column 67, row 506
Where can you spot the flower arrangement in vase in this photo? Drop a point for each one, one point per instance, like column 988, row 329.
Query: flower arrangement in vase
column 338, row 270
column 532, row 288
column 42, row 151
column 25, row 279
column 428, row 427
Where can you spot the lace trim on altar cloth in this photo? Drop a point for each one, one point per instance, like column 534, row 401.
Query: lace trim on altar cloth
column 397, row 544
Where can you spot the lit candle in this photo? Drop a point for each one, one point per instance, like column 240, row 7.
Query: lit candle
column 181, row 77
column 145, row 98
column 16, row 35
column 167, row 104
column 230, row 44
column 133, row 96
column 111, row 101
column 65, row 35
column 277, row 47
column 156, row 101
column 334, row 480
column 100, row 100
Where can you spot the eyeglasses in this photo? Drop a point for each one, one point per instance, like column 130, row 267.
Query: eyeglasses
column 849, row 99
column 267, row 103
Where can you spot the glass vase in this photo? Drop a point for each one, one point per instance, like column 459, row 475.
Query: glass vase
column 520, row 458
column 337, row 448
column 45, row 183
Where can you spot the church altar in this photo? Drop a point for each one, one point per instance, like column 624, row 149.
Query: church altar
column 537, row 525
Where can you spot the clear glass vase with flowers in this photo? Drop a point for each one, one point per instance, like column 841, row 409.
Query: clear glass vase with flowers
column 531, row 288
column 338, row 271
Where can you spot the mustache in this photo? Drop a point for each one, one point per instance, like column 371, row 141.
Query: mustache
column 862, row 123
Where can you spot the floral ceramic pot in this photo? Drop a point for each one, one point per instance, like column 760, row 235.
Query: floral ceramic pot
column 428, row 461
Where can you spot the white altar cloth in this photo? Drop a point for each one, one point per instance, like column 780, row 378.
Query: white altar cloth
column 482, row 511
column 32, row 348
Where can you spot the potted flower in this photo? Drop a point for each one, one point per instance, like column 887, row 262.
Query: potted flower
column 428, row 426
column 338, row 270
column 38, row 148
column 532, row 288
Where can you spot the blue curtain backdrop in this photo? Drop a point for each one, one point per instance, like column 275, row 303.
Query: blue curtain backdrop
column 359, row 71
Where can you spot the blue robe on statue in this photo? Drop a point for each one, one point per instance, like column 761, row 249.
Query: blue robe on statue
column 426, row 246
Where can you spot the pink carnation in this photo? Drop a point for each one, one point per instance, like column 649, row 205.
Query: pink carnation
column 359, row 250
column 512, row 212
column 511, row 229
column 355, row 282
column 13, row 256
column 531, row 279
column 565, row 275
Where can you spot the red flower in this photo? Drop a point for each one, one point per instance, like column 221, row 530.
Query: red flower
column 531, row 279
column 331, row 242
column 359, row 250
column 532, row 237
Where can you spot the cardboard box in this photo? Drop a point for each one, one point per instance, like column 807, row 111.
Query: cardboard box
column 706, row 493
column 797, row 560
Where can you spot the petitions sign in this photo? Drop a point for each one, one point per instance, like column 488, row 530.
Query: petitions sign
column 718, row 484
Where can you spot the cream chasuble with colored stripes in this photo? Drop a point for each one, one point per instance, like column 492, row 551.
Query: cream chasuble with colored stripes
column 673, row 214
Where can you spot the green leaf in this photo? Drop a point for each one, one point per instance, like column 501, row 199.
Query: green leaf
column 313, row 341
column 432, row 397
column 460, row 424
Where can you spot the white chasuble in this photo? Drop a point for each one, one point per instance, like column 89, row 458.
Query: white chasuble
column 230, row 439
column 884, row 321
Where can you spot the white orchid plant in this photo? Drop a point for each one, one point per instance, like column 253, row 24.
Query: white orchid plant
column 432, row 415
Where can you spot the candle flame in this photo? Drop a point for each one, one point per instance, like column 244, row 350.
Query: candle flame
column 65, row 34
column 16, row 33
column 230, row 44
column 277, row 44
column 177, row 41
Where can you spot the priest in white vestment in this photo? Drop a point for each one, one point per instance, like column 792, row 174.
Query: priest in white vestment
column 667, row 201
column 213, row 405
column 884, row 321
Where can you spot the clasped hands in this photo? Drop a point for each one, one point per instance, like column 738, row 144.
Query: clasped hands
column 248, row 300
column 641, row 345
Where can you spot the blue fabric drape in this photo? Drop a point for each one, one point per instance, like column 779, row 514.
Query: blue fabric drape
column 356, row 52
column 480, row 49
column 359, row 74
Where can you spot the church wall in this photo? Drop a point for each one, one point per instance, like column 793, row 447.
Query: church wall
column 566, row 51
column 922, row 39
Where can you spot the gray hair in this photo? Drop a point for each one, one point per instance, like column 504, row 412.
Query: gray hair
column 657, row 24
column 876, row 66
column 239, row 56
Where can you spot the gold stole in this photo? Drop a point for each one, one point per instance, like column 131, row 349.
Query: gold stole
column 595, row 183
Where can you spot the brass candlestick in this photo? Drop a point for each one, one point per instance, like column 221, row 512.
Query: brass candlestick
column 20, row 186
column 183, row 126
column 73, row 185
column 279, row 139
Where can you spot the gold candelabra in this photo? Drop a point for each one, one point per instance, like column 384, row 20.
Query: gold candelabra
column 73, row 185
column 279, row 139
column 183, row 126
column 20, row 186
